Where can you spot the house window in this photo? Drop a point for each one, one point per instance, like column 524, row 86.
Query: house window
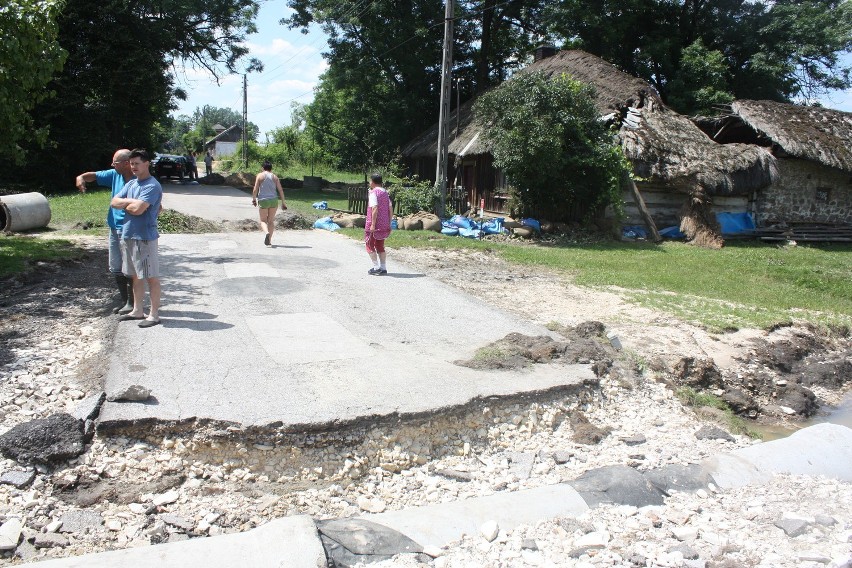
column 822, row 194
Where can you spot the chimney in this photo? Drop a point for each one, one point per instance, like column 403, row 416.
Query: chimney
column 543, row 52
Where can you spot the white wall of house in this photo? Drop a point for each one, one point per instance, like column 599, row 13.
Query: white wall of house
column 224, row 149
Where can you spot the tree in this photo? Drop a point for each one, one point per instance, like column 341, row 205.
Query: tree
column 701, row 85
column 784, row 50
column 117, row 87
column 545, row 134
column 29, row 55
column 403, row 68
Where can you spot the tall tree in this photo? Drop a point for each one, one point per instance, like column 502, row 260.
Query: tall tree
column 384, row 77
column 29, row 55
column 117, row 86
column 784, row 50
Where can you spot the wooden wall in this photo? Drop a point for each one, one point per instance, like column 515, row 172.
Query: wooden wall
column 665, row 205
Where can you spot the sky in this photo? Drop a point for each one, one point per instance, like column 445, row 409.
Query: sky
column 293, row 63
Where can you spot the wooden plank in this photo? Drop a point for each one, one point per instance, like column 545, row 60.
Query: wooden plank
column 643, row 211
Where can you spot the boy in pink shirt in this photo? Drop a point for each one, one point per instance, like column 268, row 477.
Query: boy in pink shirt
column 377, row 227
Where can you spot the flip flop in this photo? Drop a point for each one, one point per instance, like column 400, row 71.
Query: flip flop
column 148, row 323
column 128, row 317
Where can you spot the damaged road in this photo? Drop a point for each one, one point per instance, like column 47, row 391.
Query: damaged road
column 161, row 478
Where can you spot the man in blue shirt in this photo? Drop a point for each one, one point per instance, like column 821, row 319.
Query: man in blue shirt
column 141, row 199
column 115, row 179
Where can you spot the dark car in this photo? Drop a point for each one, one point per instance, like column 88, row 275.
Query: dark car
column 169, row 166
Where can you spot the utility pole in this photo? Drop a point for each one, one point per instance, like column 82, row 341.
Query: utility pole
column 245, row 120
column 444, row 115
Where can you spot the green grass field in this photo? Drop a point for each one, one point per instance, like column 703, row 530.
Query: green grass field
column 745, row 284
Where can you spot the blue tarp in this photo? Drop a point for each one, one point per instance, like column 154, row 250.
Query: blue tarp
column 735, row 223
column 533, row 224
column 672, row 232
column 494, row 226
column 321, row 205
column 326, row 223
column 470, row 233
column 634, row 232
column 462, row 222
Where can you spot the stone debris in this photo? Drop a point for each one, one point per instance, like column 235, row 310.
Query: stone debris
column 713, row 432
column 10, row 533
column 132, row 393
column 50, row 540
column 44, row 441
column 81, row 521
column 18, row 478
column 489, row 530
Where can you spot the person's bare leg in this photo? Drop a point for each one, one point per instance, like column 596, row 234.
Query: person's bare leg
column 154, row 293
column 382, row 258
column 270, row 221
column 263, row 226
column 138, row 298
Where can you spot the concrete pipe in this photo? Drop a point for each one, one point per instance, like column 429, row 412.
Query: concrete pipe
column 24, row 211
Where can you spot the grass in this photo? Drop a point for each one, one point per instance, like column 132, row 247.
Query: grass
column 17, row 253
column 80, row 213
column 690, row 397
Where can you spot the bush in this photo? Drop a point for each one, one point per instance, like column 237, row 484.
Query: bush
column 545, row 133
column 411, row 195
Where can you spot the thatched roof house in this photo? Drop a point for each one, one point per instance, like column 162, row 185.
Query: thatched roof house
column 813, row 147
column 670, row 152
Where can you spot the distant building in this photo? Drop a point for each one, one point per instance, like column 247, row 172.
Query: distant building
column 224, row 144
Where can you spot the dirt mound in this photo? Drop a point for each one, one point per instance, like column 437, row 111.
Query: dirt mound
column 171, row 221
column 212, row 179
column 240, row 179
column 515, row 351
column 775, row 377
column 284, row 220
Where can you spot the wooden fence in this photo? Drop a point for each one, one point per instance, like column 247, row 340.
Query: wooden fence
column 456, row 201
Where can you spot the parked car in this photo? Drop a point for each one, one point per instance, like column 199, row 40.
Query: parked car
column 169, row 166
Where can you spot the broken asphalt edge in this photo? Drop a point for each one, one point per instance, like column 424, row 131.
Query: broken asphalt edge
column 233, row 429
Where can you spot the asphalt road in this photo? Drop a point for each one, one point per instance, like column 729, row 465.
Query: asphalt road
column 299, row 335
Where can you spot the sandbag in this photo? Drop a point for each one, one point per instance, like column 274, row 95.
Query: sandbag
column 349, row 220
column 412, row 223
column 431, row 222
column 525, row 232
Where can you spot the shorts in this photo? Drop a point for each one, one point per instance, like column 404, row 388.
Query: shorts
column 115, row 254
column 374, row 245
column 268, row 203
column 141, row 258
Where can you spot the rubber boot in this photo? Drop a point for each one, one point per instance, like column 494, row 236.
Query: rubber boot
column 121, row 283
column 125, row 288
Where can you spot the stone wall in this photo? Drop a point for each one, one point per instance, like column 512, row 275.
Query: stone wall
column 806, row 192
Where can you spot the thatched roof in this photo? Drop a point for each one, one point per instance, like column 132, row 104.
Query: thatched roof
column 664, row 146
column 812, row 133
